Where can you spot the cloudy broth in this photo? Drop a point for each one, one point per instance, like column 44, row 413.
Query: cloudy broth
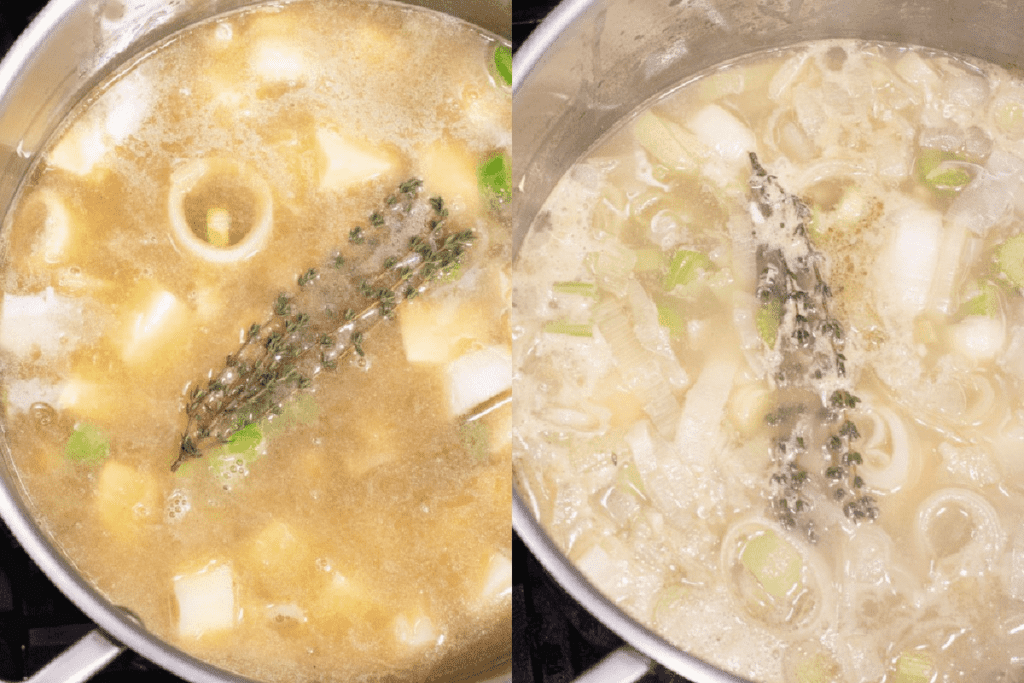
column 768, row 339
column 249, row 191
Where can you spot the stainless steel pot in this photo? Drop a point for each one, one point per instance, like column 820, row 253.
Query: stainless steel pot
column 69, row 47
column 592, row 62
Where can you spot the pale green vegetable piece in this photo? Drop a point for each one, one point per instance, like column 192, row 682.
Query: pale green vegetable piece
column 576, row 288
column 774, row 563
column 670, row 318
column 985, row 303
column 914, row 666
column 686, row 265
column 503, row 63
column 769, row 317
column 571, row 329
column 1010, row 258
column 87, row 445
column 630, row 479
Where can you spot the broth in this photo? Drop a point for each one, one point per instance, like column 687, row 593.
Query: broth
column 356, row 524
column 767, row 339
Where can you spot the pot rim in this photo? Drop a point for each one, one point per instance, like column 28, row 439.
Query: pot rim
column 117, row 622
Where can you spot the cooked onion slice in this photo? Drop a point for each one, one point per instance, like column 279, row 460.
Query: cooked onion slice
column 220, row 209
column 774, row 578
column 960, row 532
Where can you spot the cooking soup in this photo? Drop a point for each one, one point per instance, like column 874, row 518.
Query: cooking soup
column 769, row 350
column 255, row 341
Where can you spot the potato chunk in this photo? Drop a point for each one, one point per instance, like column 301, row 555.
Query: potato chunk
column 206, row 601
column 125, row 497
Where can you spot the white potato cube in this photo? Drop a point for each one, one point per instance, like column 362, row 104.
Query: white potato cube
column 433, row 330
column 450, row 171
column 154, row 329
column 728, row 140
column 348, row 162
column 416, row 630
column 498, row 581
column 477, row 377
column 125, row 497
column 279, row 61
column 206, row 601
column 978, row 337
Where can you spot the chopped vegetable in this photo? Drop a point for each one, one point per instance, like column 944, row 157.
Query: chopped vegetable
column 577, row 288
column 87, row 445
column 494, row 177
column 670, row 317
column 685, row 267
column 125, row 496
column 206, row 601
column 348, row 162
column 666, row 141
column 941, row 170
column 416, row 630
column 612, row 267
column 218, row 227
column 769, row 317
column 631, row 480
column 569, row 328
column 914, row 666
column 477, row 377
column 1010, row 258
column 503, row 63
column 774, row 563
column 984, row 303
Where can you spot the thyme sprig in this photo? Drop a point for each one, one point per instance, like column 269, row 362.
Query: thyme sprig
column 306, row 335
column 806, row 361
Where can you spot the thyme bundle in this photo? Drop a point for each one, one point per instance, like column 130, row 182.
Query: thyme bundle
column 805, row 355
column 308, row 332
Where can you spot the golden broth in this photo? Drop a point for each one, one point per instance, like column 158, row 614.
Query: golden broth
column 365, row 531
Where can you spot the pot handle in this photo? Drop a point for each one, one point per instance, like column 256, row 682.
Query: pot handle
column 624, row 665
column 81, row 661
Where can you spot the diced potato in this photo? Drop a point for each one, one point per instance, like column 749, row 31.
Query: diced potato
column 436, row 330
column 115, row 118
column 79, row 151
column 206, row 601
column 155, row 328
column 416, row 630
column 125, row 497
column 497, row 583
column 449, row 170
column 279, row 60
column 56, row 227
column 477, row 377
column 728, row 141
column 348, row 162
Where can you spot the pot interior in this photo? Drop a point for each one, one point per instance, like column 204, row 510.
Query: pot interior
column 593, row 63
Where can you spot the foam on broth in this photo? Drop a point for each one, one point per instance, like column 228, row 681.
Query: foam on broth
column 367, row 535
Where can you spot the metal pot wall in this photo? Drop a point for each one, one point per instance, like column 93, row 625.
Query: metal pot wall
column 67, row 49
column 592, row 62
